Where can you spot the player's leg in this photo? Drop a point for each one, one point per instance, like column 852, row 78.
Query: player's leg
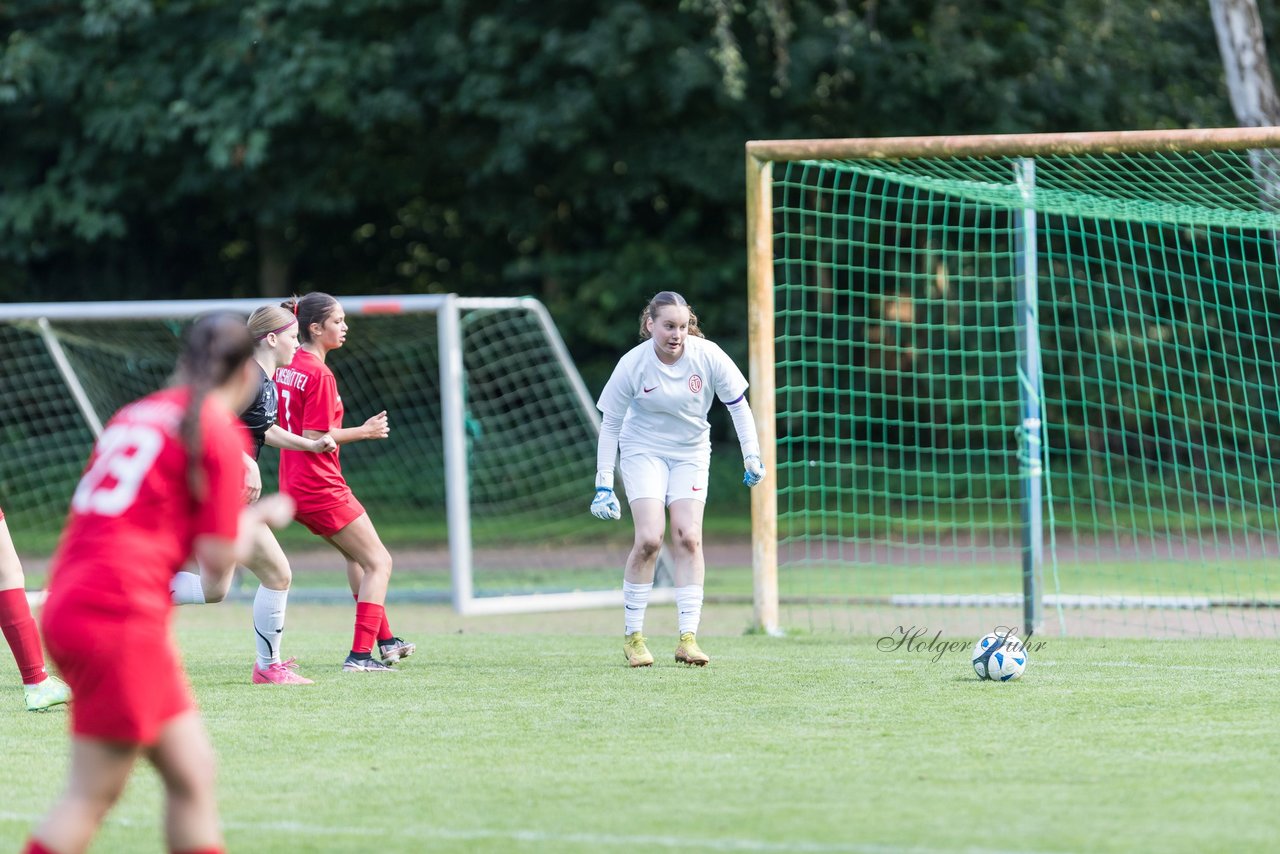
column 687, row 497
column 268, row 562
column 199, row 587
column 645, row 479
column 183, row 756
column 41, row 690
column 690, row 570
column 390, row 648
column 359, row 543
column 99, row 772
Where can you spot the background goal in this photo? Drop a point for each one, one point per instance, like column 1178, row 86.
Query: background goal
column 1027, row 380
column 492, row 446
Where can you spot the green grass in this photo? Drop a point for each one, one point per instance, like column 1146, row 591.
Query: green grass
column 528, row 734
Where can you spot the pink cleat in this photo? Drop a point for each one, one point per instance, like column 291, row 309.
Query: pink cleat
column 280, row 673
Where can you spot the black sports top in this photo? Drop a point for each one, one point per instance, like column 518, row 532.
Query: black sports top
column 261, row 414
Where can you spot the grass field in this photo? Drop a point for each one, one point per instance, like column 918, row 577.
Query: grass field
column 529, row 734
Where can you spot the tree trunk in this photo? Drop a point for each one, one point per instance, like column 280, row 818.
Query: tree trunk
column 274, row 261
column 1250, row 84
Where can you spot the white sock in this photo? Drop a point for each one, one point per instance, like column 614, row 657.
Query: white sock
column 635, row 598
column 185, row 588
column 688, row 607
column 268, row 623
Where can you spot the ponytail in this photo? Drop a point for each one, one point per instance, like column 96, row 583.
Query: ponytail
column 314, row 307
column 216, row 346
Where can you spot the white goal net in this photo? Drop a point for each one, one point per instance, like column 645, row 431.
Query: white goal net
column 482, row 488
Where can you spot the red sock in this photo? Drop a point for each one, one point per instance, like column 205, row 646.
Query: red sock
column 384, row 629
column 368, row 617
column 34, row 847
column 20, row 631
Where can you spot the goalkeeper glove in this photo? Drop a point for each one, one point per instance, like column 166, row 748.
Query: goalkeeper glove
column 753, row 470
column 605, row 504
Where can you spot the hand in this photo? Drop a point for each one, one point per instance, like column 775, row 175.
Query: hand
column 324, row 445
column 753, row 470
column 605, row 504
column 252, row 480
column 377, row 427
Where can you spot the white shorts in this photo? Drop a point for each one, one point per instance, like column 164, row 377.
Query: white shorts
column 667, row 480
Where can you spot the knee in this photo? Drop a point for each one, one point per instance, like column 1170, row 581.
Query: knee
column 380, row 566
column 647, row 548
column 277, row 577
column 689, row 540
column 195, row 781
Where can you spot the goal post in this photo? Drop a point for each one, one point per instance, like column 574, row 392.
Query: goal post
column 1017, row 378
column 492, row 446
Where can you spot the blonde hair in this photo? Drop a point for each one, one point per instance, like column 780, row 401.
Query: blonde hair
column 663, row 299
column 268, row 319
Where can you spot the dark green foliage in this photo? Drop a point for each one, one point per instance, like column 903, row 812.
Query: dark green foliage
column 586, row 153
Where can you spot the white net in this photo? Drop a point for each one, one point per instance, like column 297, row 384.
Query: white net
column 530, row 435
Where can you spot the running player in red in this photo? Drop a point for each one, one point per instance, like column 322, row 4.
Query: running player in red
column 42, row 690
column 326, row 506
column 276, row 332
column 164, row 483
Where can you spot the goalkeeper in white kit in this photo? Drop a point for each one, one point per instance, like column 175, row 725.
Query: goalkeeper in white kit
column 654, row 411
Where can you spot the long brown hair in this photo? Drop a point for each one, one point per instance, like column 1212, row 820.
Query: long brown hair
column 314, row 307
column 660, row 300
column 215, row 347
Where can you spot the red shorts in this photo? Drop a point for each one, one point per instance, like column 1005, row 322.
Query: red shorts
column 125, row 674
column 330, row 518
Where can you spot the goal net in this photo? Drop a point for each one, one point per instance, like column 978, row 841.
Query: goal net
column 482, row 488
column 1024, row 380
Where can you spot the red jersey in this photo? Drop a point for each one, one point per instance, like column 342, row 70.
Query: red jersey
column 133, row 517
column 309, row 400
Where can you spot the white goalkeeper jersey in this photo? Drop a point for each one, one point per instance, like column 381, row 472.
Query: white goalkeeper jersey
column 664, row 407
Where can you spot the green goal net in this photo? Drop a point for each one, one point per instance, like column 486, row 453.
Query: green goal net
column 1000, row 373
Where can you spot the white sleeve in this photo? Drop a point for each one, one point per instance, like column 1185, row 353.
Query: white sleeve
column 607, row 449
column 613, row 404
column 730, row 383
column 745, row 426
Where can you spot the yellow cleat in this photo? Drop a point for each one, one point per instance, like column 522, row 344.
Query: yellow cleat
column 45, row 695
column 637, row 653
column 688, row 652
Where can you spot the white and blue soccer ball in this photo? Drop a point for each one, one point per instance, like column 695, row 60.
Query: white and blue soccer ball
column 999, row 657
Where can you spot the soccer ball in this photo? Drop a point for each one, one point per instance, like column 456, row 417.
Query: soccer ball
column 999, row 657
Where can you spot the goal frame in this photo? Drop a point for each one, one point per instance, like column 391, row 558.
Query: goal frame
column 448, row 309
column 760, row 157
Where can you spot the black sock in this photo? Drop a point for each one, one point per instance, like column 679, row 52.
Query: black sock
column 363, row 656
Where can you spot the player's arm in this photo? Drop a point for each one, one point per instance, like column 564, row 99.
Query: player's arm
column 613, row 404
column 744, row 423
column 252, row 479
column 375, row 428
column 278, row 437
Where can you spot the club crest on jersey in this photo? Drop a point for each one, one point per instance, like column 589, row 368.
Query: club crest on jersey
column 695, row 383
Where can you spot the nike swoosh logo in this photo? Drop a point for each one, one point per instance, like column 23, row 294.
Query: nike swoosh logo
column 697, row 489
column 646, row 391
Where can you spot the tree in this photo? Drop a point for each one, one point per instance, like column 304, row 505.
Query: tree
column 1250, row 85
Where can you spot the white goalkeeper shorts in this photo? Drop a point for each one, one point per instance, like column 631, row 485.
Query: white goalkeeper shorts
column 646, row 476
